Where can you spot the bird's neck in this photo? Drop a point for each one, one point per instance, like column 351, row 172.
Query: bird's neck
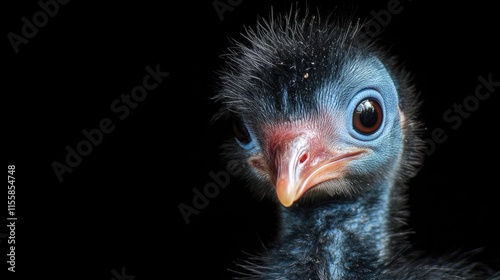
column 345, row 233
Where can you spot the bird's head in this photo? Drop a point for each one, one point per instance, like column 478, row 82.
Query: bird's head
column 317, row 111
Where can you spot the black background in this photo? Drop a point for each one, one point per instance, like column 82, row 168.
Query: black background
column 119, row 207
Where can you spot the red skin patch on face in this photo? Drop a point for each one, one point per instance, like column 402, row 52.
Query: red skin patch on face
column 296, row 158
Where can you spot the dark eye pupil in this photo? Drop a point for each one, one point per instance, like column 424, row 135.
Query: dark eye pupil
column 367, row 114
column 240, row 131
column 367, row 117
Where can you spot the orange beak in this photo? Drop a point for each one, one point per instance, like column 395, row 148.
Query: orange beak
column 301, row 162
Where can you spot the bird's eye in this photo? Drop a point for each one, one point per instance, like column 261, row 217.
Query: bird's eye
column 241, row 132
column 367, row 116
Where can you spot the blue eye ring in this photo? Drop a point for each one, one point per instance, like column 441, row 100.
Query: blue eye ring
column 242, row 134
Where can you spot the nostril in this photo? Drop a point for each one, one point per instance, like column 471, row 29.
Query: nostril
column 303, row 158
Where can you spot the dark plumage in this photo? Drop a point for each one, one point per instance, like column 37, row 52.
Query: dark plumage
column 327, row 125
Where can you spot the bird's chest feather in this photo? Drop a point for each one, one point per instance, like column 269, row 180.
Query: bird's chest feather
column 338, row 241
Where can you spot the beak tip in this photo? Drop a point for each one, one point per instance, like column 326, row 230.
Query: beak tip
column 286, row 201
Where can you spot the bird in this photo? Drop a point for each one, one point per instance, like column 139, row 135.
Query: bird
column 326, row 125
